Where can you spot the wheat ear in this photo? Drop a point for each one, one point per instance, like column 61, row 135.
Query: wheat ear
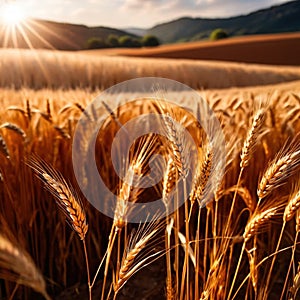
column 62, row 132
column 82, row 109
column 176, row 136
column 257, row 221
column 66, row 197
column 244, row 193
column 15, row 128
column 28, row 109
column 169, row 181
column 48, row 109
column 251, row 138
column 67, row 200
column 201, row 177
column 296, row 285
column 292, row 206
column 285, row 163
column 16, row 265
column 3, row 147
column 137, row 243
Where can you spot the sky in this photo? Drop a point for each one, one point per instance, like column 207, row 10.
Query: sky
column 133, row 13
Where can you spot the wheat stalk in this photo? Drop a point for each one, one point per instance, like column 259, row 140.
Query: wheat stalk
column 169, row 181
column 66, row 197
column 253, row 274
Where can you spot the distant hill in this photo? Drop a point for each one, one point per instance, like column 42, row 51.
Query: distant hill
column 136, row 31
column 61, row 36
column 276, row 19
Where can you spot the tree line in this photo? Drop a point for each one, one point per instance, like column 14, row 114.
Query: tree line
column 125, row 41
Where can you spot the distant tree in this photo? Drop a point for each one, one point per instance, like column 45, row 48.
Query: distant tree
column 113, row 41
column 96, row 43
column 218, row 34
column 150, row 41
column 136, row 43
column 126, row 41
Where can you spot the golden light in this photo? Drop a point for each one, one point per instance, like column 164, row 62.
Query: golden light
column 12, row 14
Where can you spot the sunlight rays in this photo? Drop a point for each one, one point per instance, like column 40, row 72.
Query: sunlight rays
column 17, row 31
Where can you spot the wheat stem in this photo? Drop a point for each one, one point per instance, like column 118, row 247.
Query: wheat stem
column 87, row 269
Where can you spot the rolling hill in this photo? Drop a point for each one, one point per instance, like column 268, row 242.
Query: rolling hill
column 48, row 34
column 276, row 19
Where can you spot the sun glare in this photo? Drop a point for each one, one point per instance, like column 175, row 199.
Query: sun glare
column 12, row 14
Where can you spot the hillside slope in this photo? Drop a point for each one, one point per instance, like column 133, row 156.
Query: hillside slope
column 280, row 18
column 48, row 34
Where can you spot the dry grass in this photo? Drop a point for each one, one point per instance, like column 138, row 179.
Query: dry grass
column 221, row 247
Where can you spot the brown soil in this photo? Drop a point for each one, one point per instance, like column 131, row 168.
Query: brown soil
column 275, row 49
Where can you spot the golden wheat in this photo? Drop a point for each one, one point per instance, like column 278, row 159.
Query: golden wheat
column 293, row 205
column 284, row 164
column 66, row 198
column 251, row 138
column 208, row 252
column 257, row 221
column 17, row 265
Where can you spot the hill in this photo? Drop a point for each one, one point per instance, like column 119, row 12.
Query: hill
column 48, row 34
column 276, row 19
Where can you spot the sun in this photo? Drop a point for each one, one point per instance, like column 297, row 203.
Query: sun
column 12, row 14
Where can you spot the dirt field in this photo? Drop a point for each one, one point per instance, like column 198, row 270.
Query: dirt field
column 275, row 49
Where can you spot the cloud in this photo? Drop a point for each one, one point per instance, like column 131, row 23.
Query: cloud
column 212, row 8
column 145, row 4
column 77, row 12
column 137, row 13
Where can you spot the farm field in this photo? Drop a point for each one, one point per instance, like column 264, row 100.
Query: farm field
column 235, row 236
column 272, row 49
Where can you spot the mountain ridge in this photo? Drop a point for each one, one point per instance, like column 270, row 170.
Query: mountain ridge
column 275, row 19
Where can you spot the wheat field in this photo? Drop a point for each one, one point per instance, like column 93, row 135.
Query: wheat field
column 38, row 69
column 235, row 237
